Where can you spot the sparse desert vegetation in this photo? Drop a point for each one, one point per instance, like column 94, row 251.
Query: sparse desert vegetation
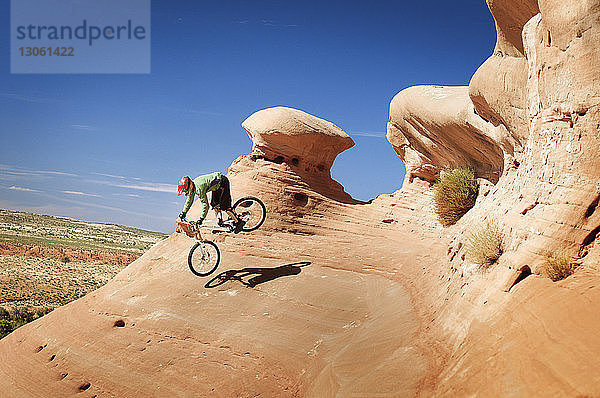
column 46, row 282
column 46, row 261
column 455, row 193
column 558, row 266
column 49, row 231
column 484, row 245
column 19, row 316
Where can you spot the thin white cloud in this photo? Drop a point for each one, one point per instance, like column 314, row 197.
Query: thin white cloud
column 82, row 127
column 269, row 22
column 374, row 134
column 80, row 193
column 149, row 186
column 140, row 186
column 58, row 173
column 6, row 169
column 24, row 98
column 205, row 112
column 131, row 195
column 15, row 188
column 111, row 176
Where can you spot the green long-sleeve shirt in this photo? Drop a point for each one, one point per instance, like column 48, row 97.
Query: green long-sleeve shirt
column 203, row 184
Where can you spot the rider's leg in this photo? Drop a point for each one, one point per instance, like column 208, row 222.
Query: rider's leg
column 225, row 199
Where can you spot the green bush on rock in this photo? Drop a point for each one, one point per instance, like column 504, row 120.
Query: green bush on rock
column 455, row 193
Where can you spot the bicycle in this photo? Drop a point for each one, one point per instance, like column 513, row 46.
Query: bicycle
column 204, row 256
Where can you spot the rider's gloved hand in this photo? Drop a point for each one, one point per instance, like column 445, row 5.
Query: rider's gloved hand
column 182, row 215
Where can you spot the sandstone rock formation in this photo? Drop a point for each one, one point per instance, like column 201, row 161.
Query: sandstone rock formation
column 296, row 137
column 497, row 88
column 549, row 199
column 290, row 167
column 433, row 128
column 541, row 88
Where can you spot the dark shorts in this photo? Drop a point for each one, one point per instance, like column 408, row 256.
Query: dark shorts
column 221, row 197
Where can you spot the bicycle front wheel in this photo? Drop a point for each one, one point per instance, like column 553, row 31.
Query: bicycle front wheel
column 204, row 258
column 252, row 210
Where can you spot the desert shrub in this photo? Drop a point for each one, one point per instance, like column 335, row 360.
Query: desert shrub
column 66, row 259
column 558, row 266
column 484, row 245
column 19, row 316
column 6, row 327
column 40, row 312
column 455, row 193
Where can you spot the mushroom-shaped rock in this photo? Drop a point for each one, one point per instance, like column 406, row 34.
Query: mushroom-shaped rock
column 432, row 128
column 294, row 136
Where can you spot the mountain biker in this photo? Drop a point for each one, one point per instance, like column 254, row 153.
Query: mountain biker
column 220, row 200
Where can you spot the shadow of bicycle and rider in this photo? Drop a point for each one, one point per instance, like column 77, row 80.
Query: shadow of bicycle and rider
column 253, row 276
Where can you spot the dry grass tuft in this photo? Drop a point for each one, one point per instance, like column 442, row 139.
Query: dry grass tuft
column 558, row 266
column 455, row 193
column 484, row 246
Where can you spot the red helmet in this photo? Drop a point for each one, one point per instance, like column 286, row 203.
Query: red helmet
column 184, row 185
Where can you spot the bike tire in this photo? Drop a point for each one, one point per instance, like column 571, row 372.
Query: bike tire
column 251, row 200
column 199, row 266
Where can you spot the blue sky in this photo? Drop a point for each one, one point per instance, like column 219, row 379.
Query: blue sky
column 111, row 147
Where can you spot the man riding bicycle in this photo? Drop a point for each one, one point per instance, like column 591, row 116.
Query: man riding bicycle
column 216, row 183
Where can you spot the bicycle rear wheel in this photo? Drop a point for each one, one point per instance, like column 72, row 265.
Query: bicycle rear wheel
column 252, row 211
column 204, row 258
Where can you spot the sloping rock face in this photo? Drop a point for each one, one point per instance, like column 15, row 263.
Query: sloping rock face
column 433, row 128
column 313, row 304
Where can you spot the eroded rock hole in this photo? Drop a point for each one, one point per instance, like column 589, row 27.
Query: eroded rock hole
column 278, row 159
column 591, row 236
column 549, row 39
column 119, row 324
column 321, row 167
column 524, row 273
column 592, row 207
column 40, row 348
column 63, row 375
column 295, row 161
column 301, row 198
column 52, row 358
column 84, row 386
